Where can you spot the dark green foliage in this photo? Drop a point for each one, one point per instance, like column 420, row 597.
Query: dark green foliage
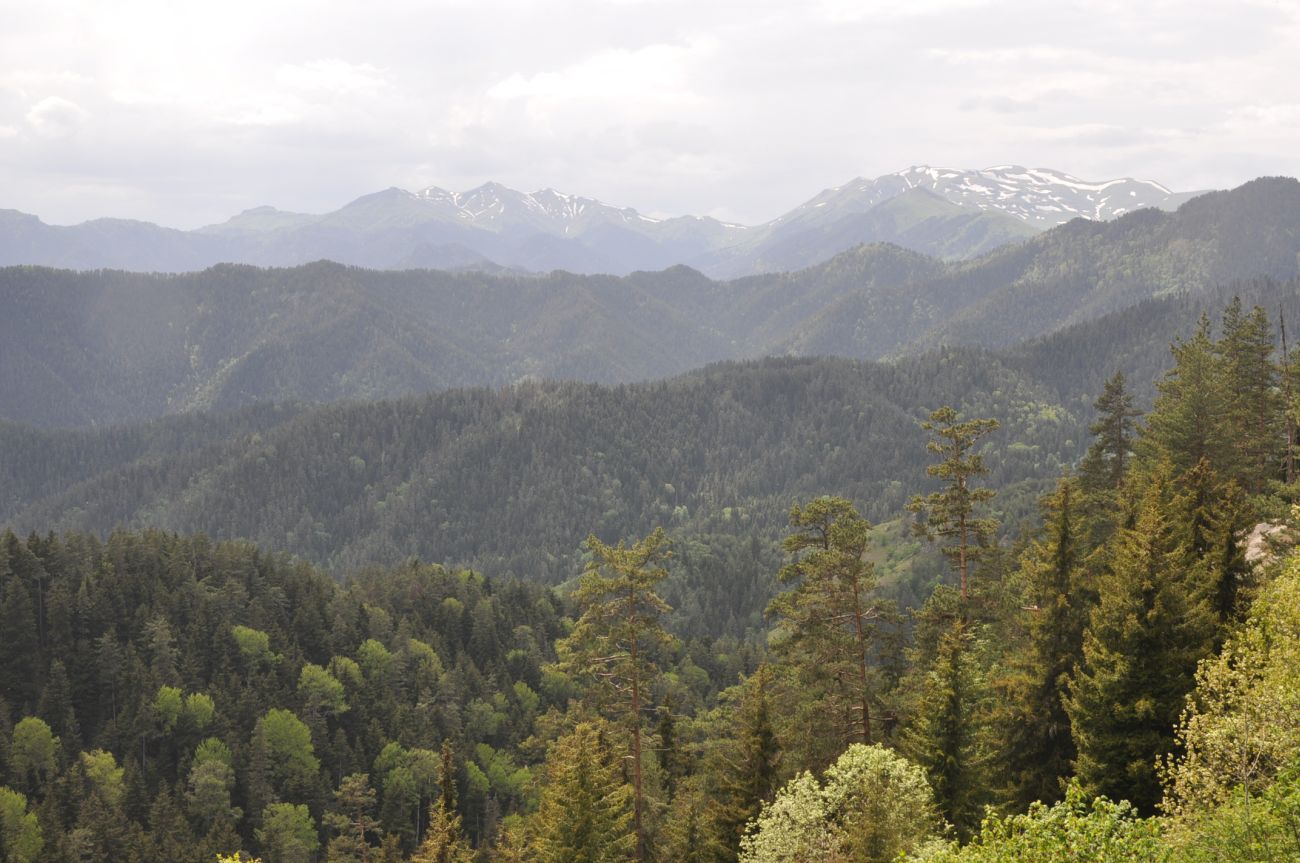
column 1140, row 650
column 947, row 730
column 1037, row 746
column 826, row 624
column 950, row 513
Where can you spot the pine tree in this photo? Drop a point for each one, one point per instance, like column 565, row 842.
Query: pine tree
column 444, row 841
column 827, row 619
column 1140, row 651
column 353, row 820
column 950, row 513
column 617, row 636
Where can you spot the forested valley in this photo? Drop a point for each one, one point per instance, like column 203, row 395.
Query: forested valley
column 1076, row 630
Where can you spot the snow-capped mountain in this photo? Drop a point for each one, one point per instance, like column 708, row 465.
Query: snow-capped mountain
column 942, row 212
column 1040, row 197
column 495, row 207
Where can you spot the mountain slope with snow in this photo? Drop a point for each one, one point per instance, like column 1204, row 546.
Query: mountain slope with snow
column 946, row 213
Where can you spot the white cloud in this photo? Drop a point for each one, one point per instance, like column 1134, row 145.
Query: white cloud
column 183, row 113
column 55, row 116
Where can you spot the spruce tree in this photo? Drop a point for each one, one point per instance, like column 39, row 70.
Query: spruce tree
column 1140, row 651
column 1187, row 421
column 745, row 767
column 1037, row 746
column 1252, row 412
column 945, row 736
column 585, row 814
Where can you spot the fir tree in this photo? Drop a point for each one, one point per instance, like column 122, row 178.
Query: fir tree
column 1140, row 651
column 1252, row 409
column 1037, row 746
column 745, row 767
column 585, row 814
column 946, row 735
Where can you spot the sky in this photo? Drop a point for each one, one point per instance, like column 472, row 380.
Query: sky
column 185, row 113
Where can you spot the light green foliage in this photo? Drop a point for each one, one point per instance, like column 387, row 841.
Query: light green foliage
column 426, row 658
column 871, row 806
column 1258, row 827
column 287, row 740
column 34, row 748
column 208, row 793
column 167, row 706
column 104, row 775
column 1242, row 724
column 320, row 691
column 376, row 661
column 288, row 833
column 1075, row 829
column 254, row 646
column 213, row 749
column 199, row 710
column 21, row 840
column 346, row 671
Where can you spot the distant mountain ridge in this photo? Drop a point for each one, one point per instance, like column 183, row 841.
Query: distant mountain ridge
column 947, row 213
column 81, row 349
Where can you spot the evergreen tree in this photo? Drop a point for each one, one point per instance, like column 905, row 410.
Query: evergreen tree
column 946, row 734
column 950, row 513
column 352, row 820
column 1187, row 421
column 1252, row 410
column 1106, row 462
column 585, row 814
column 444, row 841
column 617, row 635
column 1037, row 746
column 826, row 621
column 288, row 833
column 1140, row 651
column 745, row 767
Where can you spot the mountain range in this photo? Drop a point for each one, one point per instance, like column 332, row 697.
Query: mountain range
column 97, row 348
column 945, row 213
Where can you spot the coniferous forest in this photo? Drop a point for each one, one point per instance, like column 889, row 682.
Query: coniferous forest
column 1073, row 633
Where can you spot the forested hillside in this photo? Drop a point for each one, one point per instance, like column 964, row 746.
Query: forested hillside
column 512, row 480
column 1117, row 680
column 82, row 349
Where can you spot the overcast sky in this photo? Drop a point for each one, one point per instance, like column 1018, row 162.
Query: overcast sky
column 185, row 113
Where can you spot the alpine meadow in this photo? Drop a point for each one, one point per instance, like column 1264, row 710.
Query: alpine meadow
column 950, row 516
